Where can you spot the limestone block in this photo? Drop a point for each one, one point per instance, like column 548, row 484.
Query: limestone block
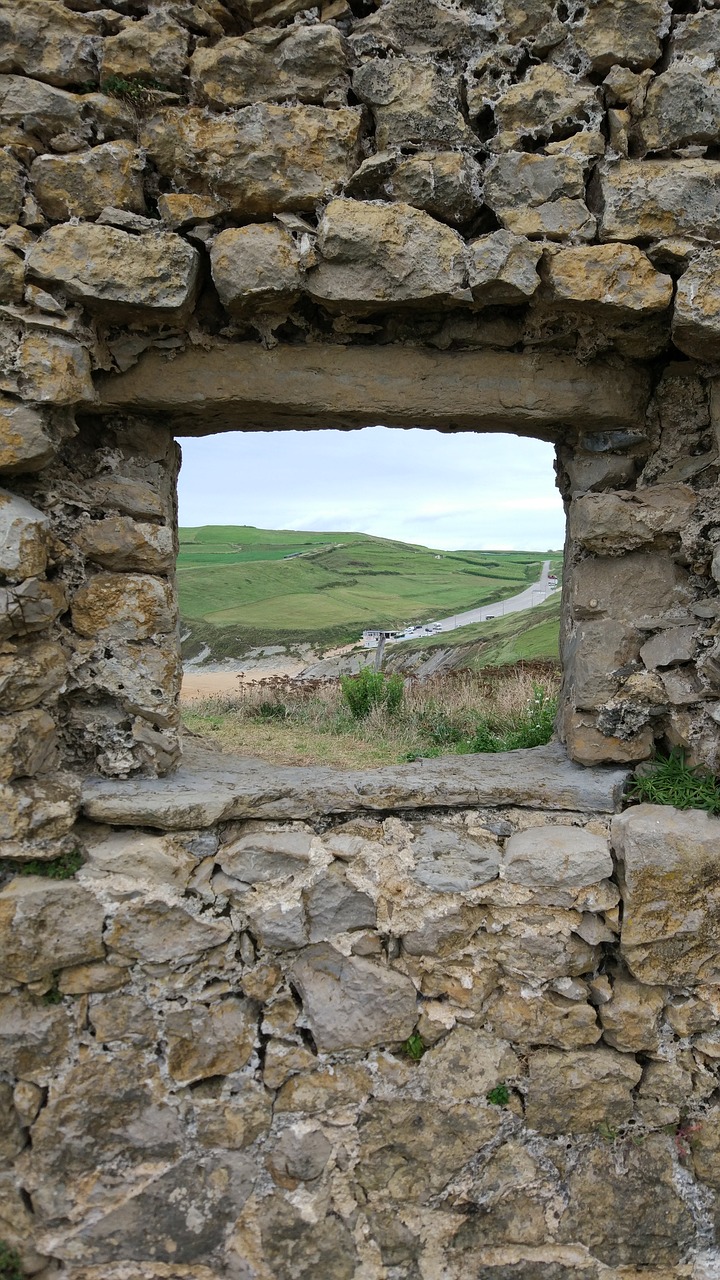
column 466, row 1065
column 375, row 255
column 257, row 265
column 138, row 856
column 299, row 1155
column 24, row 535
column 158, row 932
column 289, row 1240
column 234, row 1124
column 122, row 1017
column 12, row 276
column 682, row 687
column 502, row 268
column 528, row 1016
column 150, row 278
column 30, row 673
column 25, row 445
column 587, row 745
column 259, row 855
column 624, row 31
column 576, row 1092
column 546, row 104
column 677, row 644
column 117, row 542
column 153, row 49
column 12, row 186
column 696, row 320
column 260, row 160
column 448, row 860
column 131, row 606
column 38, row 109
column 49, row 42
column 558, row 857
column 143, row 677
column 607, row 523
column 53, row 369
column 652, row 199
column 410, row 1149
column 127, row 495
column 325, row 1089
column 595, row 651
column 179, row 211
column 279, row 926
column 697, row 38
column 28, row 744
column 333, row 905
column 210, row 1040
column 33, row 1038
column 619, row 279
column 350, row 1003
column 270, row 64
column 12, row 1138
column 705, row 1148
column 446, row 184
column 413, row 102
column 83, row 979
column 31, row 606
column 421, row 27
column 83, row 184
column 46, row 925
column 42, row 808
column 535, row 195
column 630, row 1017
column 669, row 930
column 682, row 107
column 629, row 587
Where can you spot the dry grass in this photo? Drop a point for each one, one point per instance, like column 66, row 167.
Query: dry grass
column 308, row 722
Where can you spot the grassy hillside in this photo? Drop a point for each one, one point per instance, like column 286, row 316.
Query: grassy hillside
column 530, row 635
column 240, row 586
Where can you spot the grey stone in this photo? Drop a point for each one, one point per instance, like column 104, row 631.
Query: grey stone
column 682, row 107
column 535, row 195
column 448, row 860
column 270, row 64
column 413, row 102
column 652, row 199
column 47, row 925
column 574, row 1092
column 667, row 648
column 502, row 268
column 256, row 265
column 333, row 905
column 612, row 523
column 628, row 587
column 350, row 1003
column 696, row 319
column 259, row 856
column 446, row 184
column 38, row 108
column 159, row 932
column 25, row 445
column 279, row 926
column 556, row 856
column 24, row 538
column 299, row 1157
column 594, row 652
column 82, row 185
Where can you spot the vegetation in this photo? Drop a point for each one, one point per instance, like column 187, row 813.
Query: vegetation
column 499, row 1096
column 671, row 781
column 309, row 722
column 371, row 689
column 62, row 868
column 138, row 90
column 414, row 1047
column 242, row 587
column 10, row 1264
column 528, row 636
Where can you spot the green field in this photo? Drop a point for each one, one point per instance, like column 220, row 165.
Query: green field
column 241, row 586
column 531, row 635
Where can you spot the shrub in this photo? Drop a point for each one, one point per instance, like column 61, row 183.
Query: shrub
column 533, row 726
column 10, row 1265
column 671, row 781
column 499, row 1096
column 62, row 868
column 371, row 689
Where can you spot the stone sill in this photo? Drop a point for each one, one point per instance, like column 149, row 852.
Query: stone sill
column 210, row 787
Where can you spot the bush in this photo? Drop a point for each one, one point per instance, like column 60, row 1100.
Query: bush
column 10, row 1265
column 533, row 726
column 672, row 781
column 371, row 689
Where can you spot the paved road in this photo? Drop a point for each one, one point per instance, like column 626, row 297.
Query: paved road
column 534, row 594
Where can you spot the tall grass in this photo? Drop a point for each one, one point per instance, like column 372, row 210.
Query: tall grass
column 458, row 712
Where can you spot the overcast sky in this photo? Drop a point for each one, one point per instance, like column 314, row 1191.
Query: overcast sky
column 445, row 491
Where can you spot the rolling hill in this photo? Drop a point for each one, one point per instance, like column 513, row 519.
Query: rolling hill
column 241, row 587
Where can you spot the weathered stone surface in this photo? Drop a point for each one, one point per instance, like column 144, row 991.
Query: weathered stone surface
column 182, row 211
column 53, row 369
column 47, row 925
column 24, row 536
column 25, row 445
column 28, row 744
column 350, row 1003
column 153, row 49
column 12, row 276
column 667, row 648
column 48, row 41
column 502, row 268
column 131, row 606
column 215, row 790
column 210, row 1040
column 12, row 188
column 536, row 195
column 682, row 107
column 526, row 1016
column 258, row 856
column 234, row 1124
column 333, row 905
column 279, row 926
column 630, row 1018
column 261, row 159
column 149, row 860
column 467, row 1064
column 576, row 1092
column 669, row 930
column 380, row 255
column 696, row 319
column 424, row 27
column 412, row 102
column 271, row 64
column 589, row 745
column 143, row 676
column 298, row 1248
column 545, row 104
column 618, row 522
column 31, row 606
column 446, row 184
column 257, row 265
column 617, row 278
column 117, row 542
column 299, row 1156
column 34, row 1038
column 652, row 583
column 149, row 278
column 556, row 857
column 449, row 860
column 615, row 31
column 650, row 199
column 158, row 932
column 594, row 652
column 82, row 185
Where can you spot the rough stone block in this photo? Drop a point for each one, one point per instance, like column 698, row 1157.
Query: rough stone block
column 526, row 1016
column 53, row 369
column 669, row 928
column 117, row 542
column 271, row 64
column 545, row 103
column 413, row 102
column 25, row 445
column 34, row 1038
column 39, row 808
column 153, row 49
column 279, row 926
column 375, row 255
column 576, row 1092
column 28, row 744
column 351, row 1003
column 210, row 1040
column 46, row 925
column 83, row 184
column 618, row 279
column 587, row 745
column 132, row 606
column 594, row 652
column 151, row 278
column 31, row 106
column 682, row 107
column 49, row 42
column 12, row 187
column 556, row 856
column 260, row 160
column 258, row 855
column 333, row 905
column 607, row 523
column 651, row 199
column 667, row 648
column 24, row 537
column 12, row 276
column 535, row 195
column 696, row 319
column 446, row 184
column 144, row 677
column 150, row 860
column 629, row 587
column 158, row 932
column 630, row 1017
column 502, row 268
column 628, row 32
column 449, row 860
column 31, row 606
column 257, row 265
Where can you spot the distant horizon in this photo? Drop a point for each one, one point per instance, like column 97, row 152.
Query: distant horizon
column 282, row 528
column 451, row 492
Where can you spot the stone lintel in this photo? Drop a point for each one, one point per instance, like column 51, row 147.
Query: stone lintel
column 242, row 387
column 210, row 787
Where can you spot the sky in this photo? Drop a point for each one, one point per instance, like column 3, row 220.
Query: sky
column 445, row 491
